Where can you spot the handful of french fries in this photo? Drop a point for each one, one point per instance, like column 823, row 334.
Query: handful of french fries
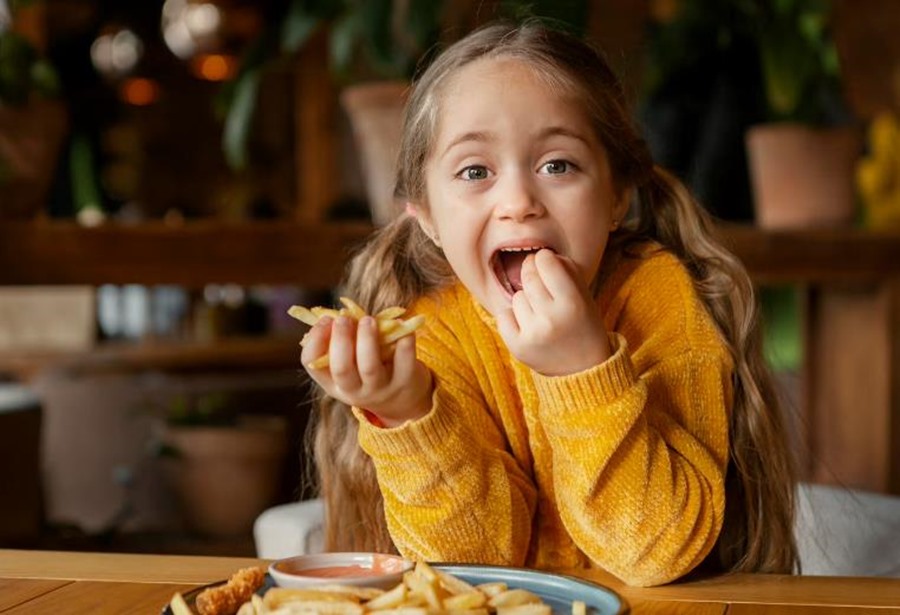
column 390, row 326
column 423, row 591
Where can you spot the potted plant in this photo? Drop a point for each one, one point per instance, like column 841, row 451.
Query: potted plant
column 374, row 48
column 32, row 119
column 225, row 466
column 801, row 160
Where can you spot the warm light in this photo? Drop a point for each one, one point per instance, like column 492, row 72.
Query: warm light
column 190, row 26
column 214, row 67
column 139, row 92
column 116, row 52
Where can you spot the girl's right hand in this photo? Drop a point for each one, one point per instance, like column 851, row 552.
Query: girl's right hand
column 395, row 391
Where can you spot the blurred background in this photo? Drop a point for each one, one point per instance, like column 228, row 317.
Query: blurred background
column 174, row 174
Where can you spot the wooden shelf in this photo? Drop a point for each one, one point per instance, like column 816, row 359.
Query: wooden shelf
column 192, row 255
column 817, row 256
column 314, row 256
column 243, row 353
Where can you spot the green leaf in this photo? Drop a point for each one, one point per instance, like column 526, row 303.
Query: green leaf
column 423, row 26
column 44, row 78
column 85, row 192
column 377, row 30
column 240, row 119
column 342, row 43
column 299, row 25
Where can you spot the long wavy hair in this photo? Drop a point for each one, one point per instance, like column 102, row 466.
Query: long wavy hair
column 400, row 264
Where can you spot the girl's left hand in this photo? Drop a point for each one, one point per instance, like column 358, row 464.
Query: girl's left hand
column 554, row 325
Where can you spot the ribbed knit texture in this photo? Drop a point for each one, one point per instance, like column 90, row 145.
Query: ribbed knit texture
column 620, row 466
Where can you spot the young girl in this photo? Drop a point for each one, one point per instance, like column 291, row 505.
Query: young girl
column 588, row 388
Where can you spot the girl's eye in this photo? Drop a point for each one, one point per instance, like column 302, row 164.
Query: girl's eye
column 474, row 173
column 557, row 167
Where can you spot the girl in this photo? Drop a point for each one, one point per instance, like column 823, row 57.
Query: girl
column 588, row 389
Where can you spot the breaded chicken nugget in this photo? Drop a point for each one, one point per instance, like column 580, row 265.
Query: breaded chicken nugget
column 227, row 599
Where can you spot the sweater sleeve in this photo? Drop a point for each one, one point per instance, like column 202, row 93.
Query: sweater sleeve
column 452, row 490
column 639, row 459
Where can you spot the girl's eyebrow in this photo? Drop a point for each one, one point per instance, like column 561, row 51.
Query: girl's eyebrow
column 478, row 136
column 483, row 136
column 553, row 131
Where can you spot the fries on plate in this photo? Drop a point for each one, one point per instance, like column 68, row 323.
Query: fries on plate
column 423, row 591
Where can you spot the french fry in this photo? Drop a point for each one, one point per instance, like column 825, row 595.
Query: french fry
column 513, row 597
column 322, row 312
column 466, row 601
column 579, row 607
column 280, row 595
column 325, row 607
column 179, row 606
column 361, row 593
column 258, row 607
column 405, row 328
column 426, row 572
column 389, row 599
column 453, row 584
column 391, row 313
column 530, row 608
column 303, row 315
column 353, row 310
column 390, row 327
column 492, row 589
column 320, row 363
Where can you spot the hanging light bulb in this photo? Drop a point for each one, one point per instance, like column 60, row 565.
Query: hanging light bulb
column 116, row 52
column 189, row 28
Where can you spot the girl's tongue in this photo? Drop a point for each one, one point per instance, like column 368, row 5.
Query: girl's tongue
column 510, row 269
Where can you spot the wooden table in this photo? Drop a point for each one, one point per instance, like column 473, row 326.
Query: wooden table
column 62, row 583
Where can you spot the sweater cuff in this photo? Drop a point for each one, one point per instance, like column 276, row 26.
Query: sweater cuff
column 595, row 386
column 432, row 432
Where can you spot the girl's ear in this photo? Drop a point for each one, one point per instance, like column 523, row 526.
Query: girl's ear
column 421, row 215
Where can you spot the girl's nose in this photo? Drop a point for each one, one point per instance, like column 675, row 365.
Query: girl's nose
column 518, row 200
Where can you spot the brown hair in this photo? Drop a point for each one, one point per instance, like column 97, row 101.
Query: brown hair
column 400, row 264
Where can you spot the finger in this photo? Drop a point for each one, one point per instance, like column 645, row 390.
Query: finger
column 316, row 341
column 559, row 280
column 342, row 354
column 404, row 363
column 533, row 285
column 522, row 308
column 507, row 325
column 372, row 371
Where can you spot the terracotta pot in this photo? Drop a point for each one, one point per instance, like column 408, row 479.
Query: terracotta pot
column 226, row 476
column 802, row 177
column 376, row 114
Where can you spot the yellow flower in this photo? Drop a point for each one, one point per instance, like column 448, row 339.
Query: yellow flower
column 878, row 174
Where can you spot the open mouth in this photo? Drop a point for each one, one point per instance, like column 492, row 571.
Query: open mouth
column 507, row 265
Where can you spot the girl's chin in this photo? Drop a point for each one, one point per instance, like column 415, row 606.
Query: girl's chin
column 499, row 301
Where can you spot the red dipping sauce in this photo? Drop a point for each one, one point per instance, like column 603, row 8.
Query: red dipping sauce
column 336, row 571
column 381, row 565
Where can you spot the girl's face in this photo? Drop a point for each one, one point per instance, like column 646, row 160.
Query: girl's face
column 515, row 167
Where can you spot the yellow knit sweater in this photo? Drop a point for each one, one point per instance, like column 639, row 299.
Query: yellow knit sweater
column 620, row 466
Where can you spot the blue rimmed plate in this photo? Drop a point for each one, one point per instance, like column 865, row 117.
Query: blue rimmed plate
column 559, row 591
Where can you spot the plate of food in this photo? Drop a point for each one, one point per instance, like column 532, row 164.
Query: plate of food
column 424, row 590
